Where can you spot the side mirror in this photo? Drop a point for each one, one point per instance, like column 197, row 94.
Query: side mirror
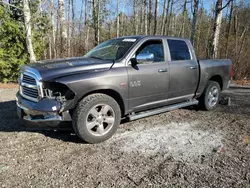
column 145, row 58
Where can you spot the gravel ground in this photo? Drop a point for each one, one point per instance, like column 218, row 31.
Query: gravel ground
column 182, row 148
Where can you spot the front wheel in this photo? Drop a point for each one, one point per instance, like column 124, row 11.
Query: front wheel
column 96, row 118
column 211, row 96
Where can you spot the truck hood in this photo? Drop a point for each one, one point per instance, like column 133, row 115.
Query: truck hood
column 52, row 69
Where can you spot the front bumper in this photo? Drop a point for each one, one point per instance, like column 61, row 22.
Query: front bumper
column 45, row 113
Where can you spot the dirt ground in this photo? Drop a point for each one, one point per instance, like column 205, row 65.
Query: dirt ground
column 182, row 148
column 8, row 86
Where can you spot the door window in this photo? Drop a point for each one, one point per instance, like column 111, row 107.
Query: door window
column 152, row 47
column 178, row 50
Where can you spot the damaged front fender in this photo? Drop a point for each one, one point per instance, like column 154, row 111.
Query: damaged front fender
column 60, row 92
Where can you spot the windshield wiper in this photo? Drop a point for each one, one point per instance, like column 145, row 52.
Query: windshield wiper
column 95, row 57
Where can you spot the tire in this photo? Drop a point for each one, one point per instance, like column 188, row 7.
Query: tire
column 211, row 96
column 96, row 118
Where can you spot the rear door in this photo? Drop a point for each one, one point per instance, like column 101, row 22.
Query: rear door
column 148, row 82
column 184, row 71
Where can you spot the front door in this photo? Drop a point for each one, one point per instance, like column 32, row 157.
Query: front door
column 148, row 81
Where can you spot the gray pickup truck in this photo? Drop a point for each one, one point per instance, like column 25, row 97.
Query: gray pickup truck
column 128, row 77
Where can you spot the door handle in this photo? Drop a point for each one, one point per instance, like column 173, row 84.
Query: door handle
column 193, row 68
column 162, row 70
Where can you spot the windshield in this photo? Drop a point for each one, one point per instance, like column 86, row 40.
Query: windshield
column 112, row 49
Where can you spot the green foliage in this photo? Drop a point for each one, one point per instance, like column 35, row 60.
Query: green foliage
column 12, row 46
column 13, row 52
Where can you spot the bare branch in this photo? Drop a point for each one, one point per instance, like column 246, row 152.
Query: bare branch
column 10, row 5
column 229, row 1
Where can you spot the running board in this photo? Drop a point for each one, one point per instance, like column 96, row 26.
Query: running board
column 162, row 109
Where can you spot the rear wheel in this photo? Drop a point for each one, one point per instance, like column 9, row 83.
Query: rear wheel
column 211, row 96
column 96, row 118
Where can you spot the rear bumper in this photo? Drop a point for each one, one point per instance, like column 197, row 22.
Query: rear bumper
column 44, row 113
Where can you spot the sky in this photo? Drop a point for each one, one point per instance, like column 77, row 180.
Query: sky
column 208, row 4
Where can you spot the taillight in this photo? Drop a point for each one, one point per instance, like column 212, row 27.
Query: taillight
column 231, row 72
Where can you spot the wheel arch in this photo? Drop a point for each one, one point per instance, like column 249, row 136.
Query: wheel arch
column 112, row 93
column 218, row 79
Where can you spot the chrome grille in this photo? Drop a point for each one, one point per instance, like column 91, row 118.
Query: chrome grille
column 30, row 92
column 29, row 88
column 28, row 79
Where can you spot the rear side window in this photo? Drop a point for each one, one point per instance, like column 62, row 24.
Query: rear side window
column 178, row 50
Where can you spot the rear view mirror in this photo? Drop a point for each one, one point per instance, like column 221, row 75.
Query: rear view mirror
column 145, row 58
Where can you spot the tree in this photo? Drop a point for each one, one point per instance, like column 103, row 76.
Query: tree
column 229, row 26
column 68, row 29
column 168, row 24
column 195, row 11
column 213, row 33
column 145, row 17
column 117, row 19
column 52, row 40
column 164, row 16
column 13, row 53
column 63, row 32
column 95, row 8
column 27, row 23
column 216, row 28
column 149, row 17
column 184, row 12
column 155, row 16
column 135, row 17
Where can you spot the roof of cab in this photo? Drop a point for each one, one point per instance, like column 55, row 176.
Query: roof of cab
column 153, row 36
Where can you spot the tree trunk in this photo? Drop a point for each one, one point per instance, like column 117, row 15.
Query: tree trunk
column 229, row 27
column 182, row 29
column 80, row 43
column 26, row 13
column 155, row 16
column 63, row 32
column 170, row 15
column 217, row 28
column 149, row 17
column 122, row 21
column 173, row 21
column 199, row 31
column 86, row 27
column 166, row 19
column 145, row 17
column 164, row 16
column 68, row 29
column 117, row 19
column 53, row 36
column 50, row 48
column 196, row 7
column 85, row 12
column 98, row 22
column 73, row 27
column 87, row 39
column 142, row 17
column 135, row 18
column 242, row 40
column 95, row 20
